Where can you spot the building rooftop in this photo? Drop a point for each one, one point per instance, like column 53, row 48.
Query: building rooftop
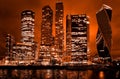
column 104, row 6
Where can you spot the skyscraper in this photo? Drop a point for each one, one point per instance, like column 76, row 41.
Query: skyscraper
column 27, row 28
column 25, row 51
column 104, row 34
column 68, row 35
column 46, row 27
column 59, row 31
column 77, row 31
column 10, row 42
column 46, row 33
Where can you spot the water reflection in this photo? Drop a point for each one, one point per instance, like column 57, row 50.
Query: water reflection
column 101, row 75
column 58, row 74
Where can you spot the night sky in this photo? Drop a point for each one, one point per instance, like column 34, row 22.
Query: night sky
column 10, row 11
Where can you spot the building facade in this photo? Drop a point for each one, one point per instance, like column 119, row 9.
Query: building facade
column 104, row 34
column 46, row 27
column 47, row 39
column 59, row 30
column 25, row 50
column 68, row 35
column 10, row 42
column 77, row 39
column 27, row 26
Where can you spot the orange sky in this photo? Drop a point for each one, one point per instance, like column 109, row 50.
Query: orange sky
column 10, row 17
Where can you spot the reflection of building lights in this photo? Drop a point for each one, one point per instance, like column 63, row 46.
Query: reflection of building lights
column 101, row 75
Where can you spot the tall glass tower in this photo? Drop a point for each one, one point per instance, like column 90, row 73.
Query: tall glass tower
column 104, row 34
column 77, row 39
column 46, row 27
column 46, row 34
column 59, row 31
column 10, row 43
column 25, row 51
column 68, row 35
column 27, row 28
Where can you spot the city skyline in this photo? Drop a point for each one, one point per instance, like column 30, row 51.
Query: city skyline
column 37, row 23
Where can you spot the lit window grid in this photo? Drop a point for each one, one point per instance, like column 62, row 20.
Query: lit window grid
column 27, row 34
column 27, row 18
column 59, row 28
column 27, row 28
column 23, row 53
column 44, row 48
column 27, row 22
column 104, row 34
column 81, row 41
column 46, row 28
column 45, row 52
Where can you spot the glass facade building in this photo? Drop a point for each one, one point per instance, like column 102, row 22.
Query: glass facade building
column 47, row 39
column 10, row 42
column 27, row 26
column 46, row 26
column 104, row 34
column 59, row 30
column 25, row 50
column 77, row 31
column 68, row 35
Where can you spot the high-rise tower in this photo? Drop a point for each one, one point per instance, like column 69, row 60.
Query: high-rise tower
column 104, row 34
column 59, row 31
column 27, row 28
column 10, row 42
column 25, row 50
column 77, row 39
column 46, row 34
column 46, row 27
column 68, row 35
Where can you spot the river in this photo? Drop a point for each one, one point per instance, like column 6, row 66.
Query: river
column 58, row 74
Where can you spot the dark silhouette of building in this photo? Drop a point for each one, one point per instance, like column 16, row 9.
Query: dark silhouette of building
column 10, row 42
column 59, row 31
column 68, row 35
column 104, row 34
column 77, row 37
